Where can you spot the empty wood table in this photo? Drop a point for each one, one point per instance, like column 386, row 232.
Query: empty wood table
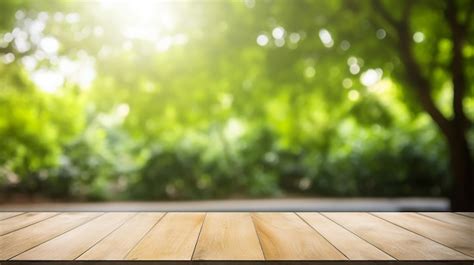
column 236, row 237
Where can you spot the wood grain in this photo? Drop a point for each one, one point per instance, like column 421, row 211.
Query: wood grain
column 172, row 238
column 21, row 240
column 228, row 236
column 394, row 240
column 20, row 221
column 284, row 236
column 349, row 244
column 5, row 215
column 236, row 237
column 452, row 218
column 119, row 243
column 72, row 244
column 468, row 214
column 455, row 237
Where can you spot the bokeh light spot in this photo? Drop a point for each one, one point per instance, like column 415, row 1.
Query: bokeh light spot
column 418, row 37
column 326, row 38
column 380, row 34
column 353, row 95
column 262, row 40
column 278, row 32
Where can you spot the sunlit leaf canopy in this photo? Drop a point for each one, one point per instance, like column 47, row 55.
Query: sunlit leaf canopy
column 206, row 99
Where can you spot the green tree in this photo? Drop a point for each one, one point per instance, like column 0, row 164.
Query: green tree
column 421, row 66
column 205, row 99
column 419, row 76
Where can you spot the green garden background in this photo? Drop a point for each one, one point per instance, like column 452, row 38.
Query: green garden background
column 207, row 99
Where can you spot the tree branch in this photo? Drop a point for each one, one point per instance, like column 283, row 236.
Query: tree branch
column 385, row 14
column 406, row 11
column 470, row 10
column 433, row 63
column 413, row 72
column 422, row 85
column 457, row 63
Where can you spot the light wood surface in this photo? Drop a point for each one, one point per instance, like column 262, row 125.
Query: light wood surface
column 5, row 215
column 468, row 214
column 173, row 238
column 19, row 241
column 447, row 234
column 14, row 223
column 284, row 236
column 236, row 237
column 352, row 246
column 228, row 236
column 454, row 219
column 394, row 240
column 119, row 243
column 75, row 242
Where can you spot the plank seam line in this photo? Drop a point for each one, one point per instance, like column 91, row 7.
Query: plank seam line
column 29, row 224
column 442, row 221
column 144, row 234
column 465, row 215
column 74, row 227
column 357, row 235
column 422, row 214
column 258, row 237
column 432, row 240
column 199, row 236
column 100, row 240
column 314, row 229
column 19, row 213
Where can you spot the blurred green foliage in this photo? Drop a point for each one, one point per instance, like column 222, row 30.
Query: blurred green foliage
column 217, row 99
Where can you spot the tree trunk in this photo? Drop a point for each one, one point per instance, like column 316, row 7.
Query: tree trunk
column 462, row 192
column 462, row 197
column 454, row 130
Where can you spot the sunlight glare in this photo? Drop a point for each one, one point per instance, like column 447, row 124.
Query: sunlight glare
column 234, row 129
column 8, row 58
column 380, row 87
column 371, row 77
column 29, row 62
column 49, row 44
column 122, row 110
column 47, row 80
column 147, row 20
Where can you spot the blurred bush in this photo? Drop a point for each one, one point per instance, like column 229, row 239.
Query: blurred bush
column 145, row 100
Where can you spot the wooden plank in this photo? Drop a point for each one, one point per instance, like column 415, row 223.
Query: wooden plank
column 452, row 218
column 456, row 237
column 5, row 215
column 21, row 240
column 349, row 244
column 72, row 244
column 468, row 214
column 228, row 236
column 394, row 240
column 117, row 245
column 20, row 221
column 172, row 238
column 284, row 236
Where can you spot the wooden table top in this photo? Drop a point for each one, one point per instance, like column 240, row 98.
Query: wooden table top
column 236, row 236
